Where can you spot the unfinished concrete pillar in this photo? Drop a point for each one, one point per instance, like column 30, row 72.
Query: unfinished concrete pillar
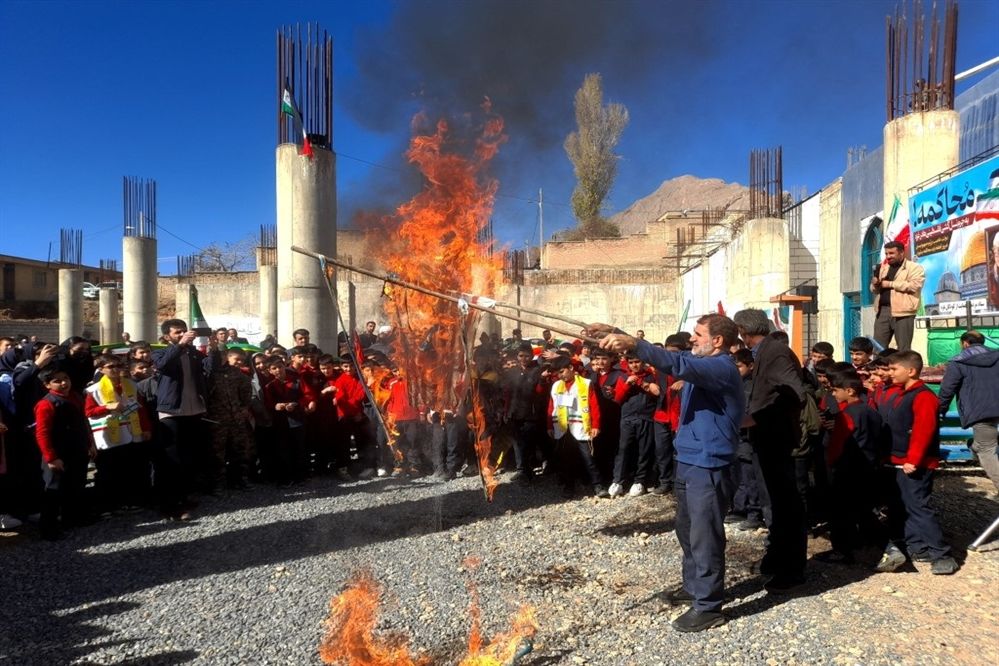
column 267, row 276
column 306, row 185
column 917, row 147
column 139, row 295
column 306, row 217
column 70, row 302
column 108, row 309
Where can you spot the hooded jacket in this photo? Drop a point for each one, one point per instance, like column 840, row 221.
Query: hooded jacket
column 973, row 376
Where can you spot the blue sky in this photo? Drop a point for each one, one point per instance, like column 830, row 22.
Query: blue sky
column 183, row 92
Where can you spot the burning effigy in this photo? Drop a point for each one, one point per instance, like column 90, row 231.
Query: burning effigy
column 437, row 239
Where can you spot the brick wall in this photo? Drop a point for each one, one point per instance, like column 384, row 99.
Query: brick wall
column 635, row 250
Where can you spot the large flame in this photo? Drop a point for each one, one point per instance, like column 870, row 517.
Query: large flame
column 435, row 239
column 350, row 639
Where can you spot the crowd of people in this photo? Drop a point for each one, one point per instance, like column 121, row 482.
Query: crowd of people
column 726, row 418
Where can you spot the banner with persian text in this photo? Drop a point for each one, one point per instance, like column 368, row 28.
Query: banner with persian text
column 955, row 238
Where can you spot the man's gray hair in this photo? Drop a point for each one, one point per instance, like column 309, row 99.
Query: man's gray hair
column 752, row 322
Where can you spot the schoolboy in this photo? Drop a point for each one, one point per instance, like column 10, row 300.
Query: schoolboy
column 665, row 422
column 861, row 351
column 353, row 423
column 329, row 455
column 635, row 452
column 748, row 502
column 122, row 430
column 286, row 396
column 64, row 437
column 852, row 456
column 230, row 394
column 574, row 422
column 911, row 418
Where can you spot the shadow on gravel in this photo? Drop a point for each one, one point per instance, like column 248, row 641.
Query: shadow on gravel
column 35, row 622
column 158, row 659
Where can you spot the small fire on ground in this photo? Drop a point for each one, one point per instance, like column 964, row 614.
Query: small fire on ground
column 351, row 639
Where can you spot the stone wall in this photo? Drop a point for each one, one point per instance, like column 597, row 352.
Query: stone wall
column 635, row 250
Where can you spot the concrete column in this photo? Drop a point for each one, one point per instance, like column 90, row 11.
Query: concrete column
column 917, row 147
column 70, row 302
column 306, row 216
column 139, row 291
column 110, row 331
column 268, row 274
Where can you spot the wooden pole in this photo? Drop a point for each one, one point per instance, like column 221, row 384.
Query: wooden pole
column 436, row 294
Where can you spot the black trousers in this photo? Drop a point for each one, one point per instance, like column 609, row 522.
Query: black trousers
column 665, row 453
column 787, row 544
column 635, row 452
column 64, row 495
column 526, row 434
column 851, row 512
column 574, row 456
column 922, row 529
column 747, row 499
column 702, row 498
column 186, row 440
column 123, row 475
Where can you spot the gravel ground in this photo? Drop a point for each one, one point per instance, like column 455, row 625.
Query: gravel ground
column 250, row 582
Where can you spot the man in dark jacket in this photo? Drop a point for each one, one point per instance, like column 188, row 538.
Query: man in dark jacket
column 774, row 424
column 973, row 376
column 181, row 400
column 525, row 395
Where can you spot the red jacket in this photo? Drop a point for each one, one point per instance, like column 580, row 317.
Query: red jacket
column 398, row 404
column 349, row 396
column 61, row 428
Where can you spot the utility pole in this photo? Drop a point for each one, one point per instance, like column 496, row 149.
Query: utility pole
column 541, row 227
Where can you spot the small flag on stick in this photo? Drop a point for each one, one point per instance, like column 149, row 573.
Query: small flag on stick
column 198, row 320
column 289, row 108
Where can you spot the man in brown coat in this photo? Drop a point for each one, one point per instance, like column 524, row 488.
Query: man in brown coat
column 896, row 286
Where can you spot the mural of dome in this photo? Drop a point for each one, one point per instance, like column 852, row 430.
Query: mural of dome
column 948, row 282
column 975, row 252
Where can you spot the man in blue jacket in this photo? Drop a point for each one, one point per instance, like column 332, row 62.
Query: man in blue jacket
column 973, row 376
column 712, row 404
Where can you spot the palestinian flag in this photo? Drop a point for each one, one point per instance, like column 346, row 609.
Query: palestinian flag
column 289, row 109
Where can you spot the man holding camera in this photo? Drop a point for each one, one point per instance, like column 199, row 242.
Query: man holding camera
column 896, row 285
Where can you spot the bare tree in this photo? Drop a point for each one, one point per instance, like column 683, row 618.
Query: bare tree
column 591, row 150
column 227, row 256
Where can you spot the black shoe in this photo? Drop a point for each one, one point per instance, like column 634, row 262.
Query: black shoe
column 662, row 490
column 766, row 566
column 678, row 597
column 921, row 556
column 601, row 492
column 835, row 557
column 568, row 492
column 944, row 566
column 784, row 584
column 734, row 518
column 695, row 620
column 750, row 524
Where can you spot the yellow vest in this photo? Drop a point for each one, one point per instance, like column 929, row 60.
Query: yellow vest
column 562, row 411
column 105, row 389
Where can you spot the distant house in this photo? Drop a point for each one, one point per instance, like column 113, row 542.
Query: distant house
column 31, row 288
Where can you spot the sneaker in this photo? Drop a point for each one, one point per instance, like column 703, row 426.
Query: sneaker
column 615, row 490
column 783, row 584
column 695, row 620
column 9, row 522
column 382, row 472
column 601, row 492
column 891, row 559
column 944, row 566
column 662, row 490
column 750, row 525
column 636, row 490
column 367, row 473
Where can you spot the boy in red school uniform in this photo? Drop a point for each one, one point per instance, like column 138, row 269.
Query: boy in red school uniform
column 911, row 419
column 405, row 418
column 852, row 456
column 349, row 400
column 287, row 396
column 325, row 420
column 665, row 422
column 67, row 444
column 635, row 453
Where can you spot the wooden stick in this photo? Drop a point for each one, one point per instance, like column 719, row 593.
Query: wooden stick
column 437, row 294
